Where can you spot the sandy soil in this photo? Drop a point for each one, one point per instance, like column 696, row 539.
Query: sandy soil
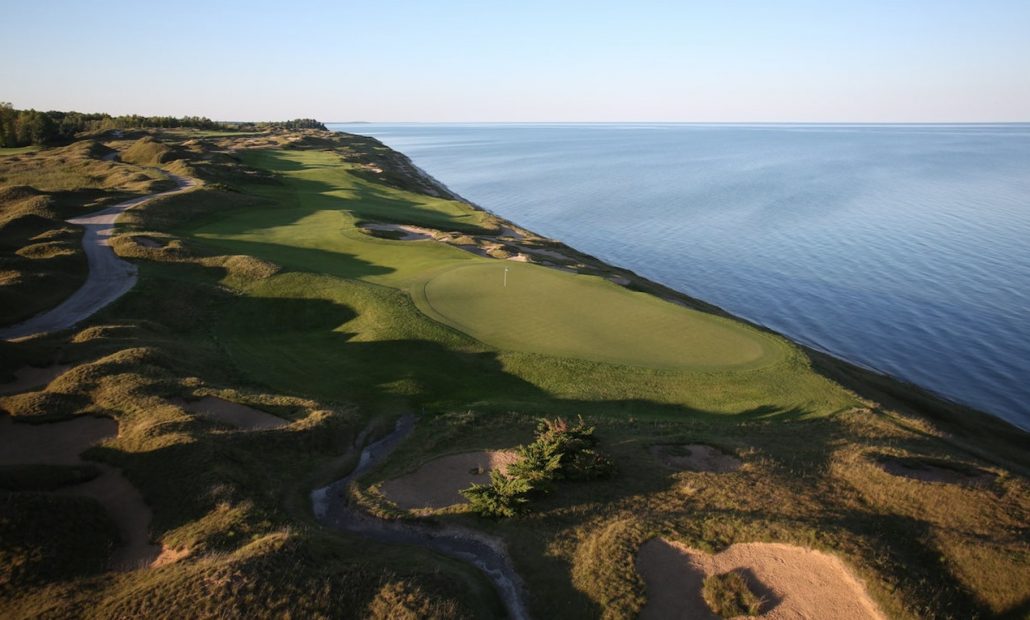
column 29, row 377
column 234, row 414
column 698, row 457
column 410, row 233
column 795, row 582
column 60, row 443
column 109, row 277
column 926, row 472
column 437, row 483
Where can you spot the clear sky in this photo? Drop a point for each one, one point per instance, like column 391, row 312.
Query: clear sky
column 441, row 60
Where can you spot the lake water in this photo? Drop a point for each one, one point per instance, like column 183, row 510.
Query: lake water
column 904, row 248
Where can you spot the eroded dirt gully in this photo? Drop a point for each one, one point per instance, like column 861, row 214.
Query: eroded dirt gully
column 332, row 508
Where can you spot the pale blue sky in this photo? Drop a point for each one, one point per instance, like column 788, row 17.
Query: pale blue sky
column 383, row 60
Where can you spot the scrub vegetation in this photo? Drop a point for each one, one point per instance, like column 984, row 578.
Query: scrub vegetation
column 728, row 596
column 262, row 287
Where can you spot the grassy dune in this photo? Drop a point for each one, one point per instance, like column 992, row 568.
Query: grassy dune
column 42, row 261
column 263, row 289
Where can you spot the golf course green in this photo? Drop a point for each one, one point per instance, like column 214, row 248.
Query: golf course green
column 524, row 307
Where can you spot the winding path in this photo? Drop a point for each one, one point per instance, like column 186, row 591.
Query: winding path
column 109, row 276
column 486, row 553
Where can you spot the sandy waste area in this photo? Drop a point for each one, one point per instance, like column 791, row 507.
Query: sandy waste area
column 437, row 483
column 794, row 582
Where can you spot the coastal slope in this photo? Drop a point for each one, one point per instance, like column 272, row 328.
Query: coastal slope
column 322, row 280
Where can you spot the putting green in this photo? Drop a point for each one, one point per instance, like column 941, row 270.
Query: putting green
column 547, row 311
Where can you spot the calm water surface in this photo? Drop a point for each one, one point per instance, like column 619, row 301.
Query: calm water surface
column 900, row 247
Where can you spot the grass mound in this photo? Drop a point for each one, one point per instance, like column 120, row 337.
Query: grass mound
column 728, row 596
column 12, row 193
column 85, row 149
column 149, row 152
column 51, row 538
column 399, row 600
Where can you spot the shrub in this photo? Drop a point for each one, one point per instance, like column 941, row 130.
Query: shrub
column 559, row 452
column 728, row 595
column 505, row 496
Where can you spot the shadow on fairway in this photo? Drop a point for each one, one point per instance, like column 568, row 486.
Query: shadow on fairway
column 363, row 197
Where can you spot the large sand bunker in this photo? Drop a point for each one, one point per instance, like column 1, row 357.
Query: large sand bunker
column 60, row 443
column 403, row 232
column 234, row 414
column 29, row 377
column 695, row 457
column 795, row 582
column 437, row 483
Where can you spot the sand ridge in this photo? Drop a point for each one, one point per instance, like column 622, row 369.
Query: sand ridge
column 437, row 483
column 795, row 582
column 231, row 413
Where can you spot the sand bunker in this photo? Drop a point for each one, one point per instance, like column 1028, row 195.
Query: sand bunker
column 60, row 443
column 407, row 232
column 130, row 514
column 147, row 242
column 794, row 582
column 30, row 377
column 926, row 471
column 437, row 483
column 234, row 414
column 695, row 457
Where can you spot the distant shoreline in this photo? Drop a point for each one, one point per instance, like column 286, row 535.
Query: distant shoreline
column 702, row 123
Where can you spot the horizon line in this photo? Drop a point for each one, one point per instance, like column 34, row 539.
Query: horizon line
column 948, row 123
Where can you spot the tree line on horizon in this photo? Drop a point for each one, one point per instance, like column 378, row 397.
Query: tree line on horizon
column 32, row 127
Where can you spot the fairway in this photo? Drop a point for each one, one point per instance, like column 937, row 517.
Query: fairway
column 549, row 335
column 547, row 311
